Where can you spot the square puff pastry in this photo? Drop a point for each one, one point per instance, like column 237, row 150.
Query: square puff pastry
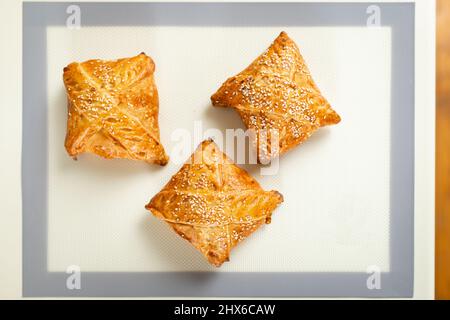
column 113, row 109
column 213, row 204
column 276, row 94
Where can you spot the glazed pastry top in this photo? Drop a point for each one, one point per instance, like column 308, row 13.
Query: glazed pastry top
column 113, row 109
column 213, row 203
column 276, row 93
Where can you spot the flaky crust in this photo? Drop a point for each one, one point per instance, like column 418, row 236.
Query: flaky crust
column 276, row 94
column 113, row 109
column 213, row 204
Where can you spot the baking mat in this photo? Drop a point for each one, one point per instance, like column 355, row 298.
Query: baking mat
column 349, row 186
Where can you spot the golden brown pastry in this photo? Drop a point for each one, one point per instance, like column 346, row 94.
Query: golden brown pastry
column 213, row 204
column 113, row 109
column 276, row 95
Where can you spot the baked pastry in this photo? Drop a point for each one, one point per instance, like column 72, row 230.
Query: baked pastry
column 277, row 98
column 213, row 204
column 113, row 109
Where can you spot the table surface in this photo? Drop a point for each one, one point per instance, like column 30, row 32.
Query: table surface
column 443, row 152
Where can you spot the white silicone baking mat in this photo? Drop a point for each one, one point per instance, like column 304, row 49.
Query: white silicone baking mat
column 336, row 187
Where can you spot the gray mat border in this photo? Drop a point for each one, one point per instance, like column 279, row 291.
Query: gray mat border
column 38, row 282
